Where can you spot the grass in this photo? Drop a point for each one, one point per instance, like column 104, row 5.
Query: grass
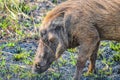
column 16, row 16
column 115, row 46
column 116, row 57
column 22, row 62
column 15, row 22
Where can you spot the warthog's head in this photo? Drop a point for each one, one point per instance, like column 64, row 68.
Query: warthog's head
column 53, row 42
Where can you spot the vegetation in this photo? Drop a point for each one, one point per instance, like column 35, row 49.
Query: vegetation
column 16, row 21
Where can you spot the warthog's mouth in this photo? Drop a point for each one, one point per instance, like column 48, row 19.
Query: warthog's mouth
column 40, row 69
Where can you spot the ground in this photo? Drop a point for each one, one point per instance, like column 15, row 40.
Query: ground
column 17, row 49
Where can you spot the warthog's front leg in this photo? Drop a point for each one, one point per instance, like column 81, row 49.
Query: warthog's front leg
column 84, row 54
column 93, row 58
column 87, row 49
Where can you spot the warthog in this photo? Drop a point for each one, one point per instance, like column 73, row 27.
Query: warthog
column 77, row 23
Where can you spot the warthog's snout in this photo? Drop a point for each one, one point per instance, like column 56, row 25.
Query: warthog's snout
column 39, row 67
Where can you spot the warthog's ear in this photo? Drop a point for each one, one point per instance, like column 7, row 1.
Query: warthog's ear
column 67, row 20
column 66, row 25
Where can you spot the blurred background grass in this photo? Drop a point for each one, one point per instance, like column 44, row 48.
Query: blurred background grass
column 16, row 19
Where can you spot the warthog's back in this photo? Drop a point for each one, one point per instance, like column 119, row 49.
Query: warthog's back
column 107, row 18
column 103, row 14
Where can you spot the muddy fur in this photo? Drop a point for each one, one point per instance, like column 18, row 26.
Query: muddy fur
column 77, row 23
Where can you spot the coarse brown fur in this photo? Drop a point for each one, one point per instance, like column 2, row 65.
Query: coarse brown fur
column 77, row 23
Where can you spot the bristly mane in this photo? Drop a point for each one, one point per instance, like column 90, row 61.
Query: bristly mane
column 54, row 13
column 57, row 11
